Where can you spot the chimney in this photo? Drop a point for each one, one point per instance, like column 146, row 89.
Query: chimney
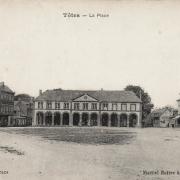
column 40, row 92
column 101, row 89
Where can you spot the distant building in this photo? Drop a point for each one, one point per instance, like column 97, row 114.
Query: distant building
column 87, row 108
column 162, row 117
column 6, row 104
column 23, row 110
column 176, row 121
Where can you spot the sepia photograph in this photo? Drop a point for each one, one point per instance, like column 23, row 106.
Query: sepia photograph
column 89, row 90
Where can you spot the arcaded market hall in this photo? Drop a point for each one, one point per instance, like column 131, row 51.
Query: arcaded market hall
column 60, row 107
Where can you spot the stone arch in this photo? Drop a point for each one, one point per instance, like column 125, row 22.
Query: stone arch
column 57, row 118
column 114, row 120
column 65, row 118
column 76, row 119
column 48, row 118
column 85, row 118
column 93, row 119
column 39, row 118
column 133, row 120
column 104, row 119
column 123, row 120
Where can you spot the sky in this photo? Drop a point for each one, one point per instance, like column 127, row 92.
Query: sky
column 138, row 44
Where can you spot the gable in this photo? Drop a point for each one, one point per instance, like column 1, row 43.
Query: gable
column 85, row 97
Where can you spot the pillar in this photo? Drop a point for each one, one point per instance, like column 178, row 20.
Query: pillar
column 52, row 119
column 118, row 120
column 44, row 119
column 109, row 120
column 80, row 119
column 9, row 120
column 61, row 121
column 127, row 120
column 34, row 123
column 99, row 119
column 70, row 119
column 89, row 121
column 139, row 120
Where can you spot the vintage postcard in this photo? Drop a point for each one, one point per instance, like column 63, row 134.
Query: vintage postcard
column 89, row 90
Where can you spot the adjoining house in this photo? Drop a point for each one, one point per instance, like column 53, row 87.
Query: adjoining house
column 6, row 104
column 87, row 108
column 162, row 117
column 23, row 110
column 176, row 120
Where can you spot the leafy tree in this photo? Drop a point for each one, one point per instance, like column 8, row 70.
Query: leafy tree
column 145, row 98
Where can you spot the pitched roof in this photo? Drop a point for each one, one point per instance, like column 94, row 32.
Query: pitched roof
column 101, row 95
column 5, row 88
column 160, row 111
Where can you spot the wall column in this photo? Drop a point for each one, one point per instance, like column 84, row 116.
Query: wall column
column 99, row 119
column 139, row 120
column 128, row 120
column 34, row 123
column 70, row 119
column 52, row 119
column 89, row 121
column 109, row 120
column 118, row 120
column 61, row 121
column 9, row 120
column 44, row 119
column 80, row 119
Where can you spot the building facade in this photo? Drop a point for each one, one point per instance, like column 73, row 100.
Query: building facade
column 176, row 121
column 23, row 110
column 87, row 108
column 162, row 117
column 6, row 104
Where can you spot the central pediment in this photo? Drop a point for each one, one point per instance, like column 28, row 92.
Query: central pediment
column 85, row 97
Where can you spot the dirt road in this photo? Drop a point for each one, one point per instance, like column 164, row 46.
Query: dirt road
column 28, row 157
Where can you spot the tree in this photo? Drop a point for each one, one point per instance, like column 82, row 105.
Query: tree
column 145, row 98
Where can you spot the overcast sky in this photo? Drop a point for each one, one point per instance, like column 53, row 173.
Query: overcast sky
column 138, row 44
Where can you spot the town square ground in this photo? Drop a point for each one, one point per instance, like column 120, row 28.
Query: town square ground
column 89, row 153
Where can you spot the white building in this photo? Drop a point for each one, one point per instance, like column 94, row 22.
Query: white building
column 87, row 108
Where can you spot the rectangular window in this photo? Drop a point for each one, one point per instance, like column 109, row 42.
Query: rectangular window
column 114, row 106
column 85, row 106
column 66, row 105
column 40, row 105
column 105, row 106
column 133, row 107
column 76, row 106
column 49, row 105
column 124, row 107
column 57, row 105
column 94, row 106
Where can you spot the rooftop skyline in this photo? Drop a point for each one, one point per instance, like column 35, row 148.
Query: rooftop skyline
column 138, row 44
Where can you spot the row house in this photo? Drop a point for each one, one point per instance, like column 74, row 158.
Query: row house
column 87, row 108
column 6, row 104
